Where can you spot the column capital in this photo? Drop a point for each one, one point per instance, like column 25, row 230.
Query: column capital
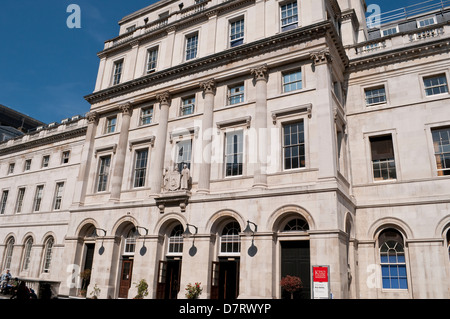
column 164, row 98
column 126, row 108
column 208, row 86
column 321, row 57
column 92, row 117
column 260, row 73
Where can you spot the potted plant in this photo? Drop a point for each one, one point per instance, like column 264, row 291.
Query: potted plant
column 291, row 284
column 193, row 291
column 96, row 292
column 142, row 289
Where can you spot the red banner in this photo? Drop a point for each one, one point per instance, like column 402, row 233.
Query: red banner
column 320, row 274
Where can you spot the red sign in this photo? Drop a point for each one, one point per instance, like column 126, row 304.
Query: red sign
column 320, row 274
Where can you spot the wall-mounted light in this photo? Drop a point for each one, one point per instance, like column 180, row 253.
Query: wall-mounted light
column 248, row 230
column 96, row 233
column 140, row 227
column 187, row 233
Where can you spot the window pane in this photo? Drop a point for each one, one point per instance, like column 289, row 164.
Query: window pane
column 294, row 148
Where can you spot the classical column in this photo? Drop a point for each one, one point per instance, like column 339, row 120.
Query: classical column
column 326, row 140
column 157, row 162
column 260, row 75
column 86, row 157
column 209, row 90
column 117, row 176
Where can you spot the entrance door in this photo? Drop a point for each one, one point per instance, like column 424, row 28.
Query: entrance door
column 125, row 278
column 295, row 261
column 169, row 275
column 225, row 279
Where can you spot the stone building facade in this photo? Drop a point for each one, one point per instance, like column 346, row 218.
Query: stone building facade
column 326, row 140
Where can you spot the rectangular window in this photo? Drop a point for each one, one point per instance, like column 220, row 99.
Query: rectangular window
column 390, row 31
column 140, row 168
column 3, row 202
column 191, row 46
column 45, row 161
column 65, row 157
column 383, row 160
column 236, row 94
column 289, row 16
column 152, row 60
column 118, row 66
column 441, row 144
column 146, row 115
column 294, row 145
column 103, row 173
column 11, row 168
column 19, row 201
column 27, row 165
column 58, row 195
column 436, row 84
column 292, row 81
column 38, row 198
column 234, row 152
column 375, row 95
column 187, row 106
column 183, row 155
column 110, row 125
column 237, row 33
column 426, row 22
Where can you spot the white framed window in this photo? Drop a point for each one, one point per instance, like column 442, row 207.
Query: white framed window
column 58, row 195
column 130, row 242
column 187, row 105
column 45, row 161
column 375, row 95
column 421, row 23
column 191, row 46
column 3, row 202
column 237, row 32
column 140, row 167
column 175, row 246
column 117, row 72
column 110, row 126
column 435, row 84
column 27, row 253
column 234, row 153
column 292, row 81
column 392, row 260
column 27, row 165
column 294, row 155
column 152, row 59
column 183, row 154
column 9, row 252
column 441, row 146
column 230, row 241
column 389, row 31
column 289, row 16
column 383, row 158
column 65, row 157
column 11, row 168
column 48, row 252
column 236, row 93
column 146, row 116
column 103, row 173
column 19, row 202
column 38, row 198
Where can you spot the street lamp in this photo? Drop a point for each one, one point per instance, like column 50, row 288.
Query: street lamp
column 248, row 230
column 137, row 230
column 187, row 233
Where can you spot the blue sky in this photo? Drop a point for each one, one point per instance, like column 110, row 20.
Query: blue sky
column 46, row 68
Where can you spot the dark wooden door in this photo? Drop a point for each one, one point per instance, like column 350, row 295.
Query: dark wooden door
column 161, row 284
column 215, row 269
column 225, row 279
column 295, row 261
column 169, row 274
column 125, row 278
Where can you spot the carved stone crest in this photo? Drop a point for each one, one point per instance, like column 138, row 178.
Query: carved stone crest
column 172, row 179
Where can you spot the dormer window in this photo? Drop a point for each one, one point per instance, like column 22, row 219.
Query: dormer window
column 421, row 23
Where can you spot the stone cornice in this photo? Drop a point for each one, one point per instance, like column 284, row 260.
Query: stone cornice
column 44, row 141
column 255, row 48
column 399, row 55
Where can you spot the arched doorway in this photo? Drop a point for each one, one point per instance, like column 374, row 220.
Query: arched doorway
column 169, row 268
column 225, row 270
column 127, row 258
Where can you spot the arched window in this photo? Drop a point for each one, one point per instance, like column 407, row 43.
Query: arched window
column 392, row 260
column 448, row 243
column 48, row 254
column 9, row 252
column 130, row 242
column 230, row 242
column 27, row 253
column 296, row 224
column 176, row 241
